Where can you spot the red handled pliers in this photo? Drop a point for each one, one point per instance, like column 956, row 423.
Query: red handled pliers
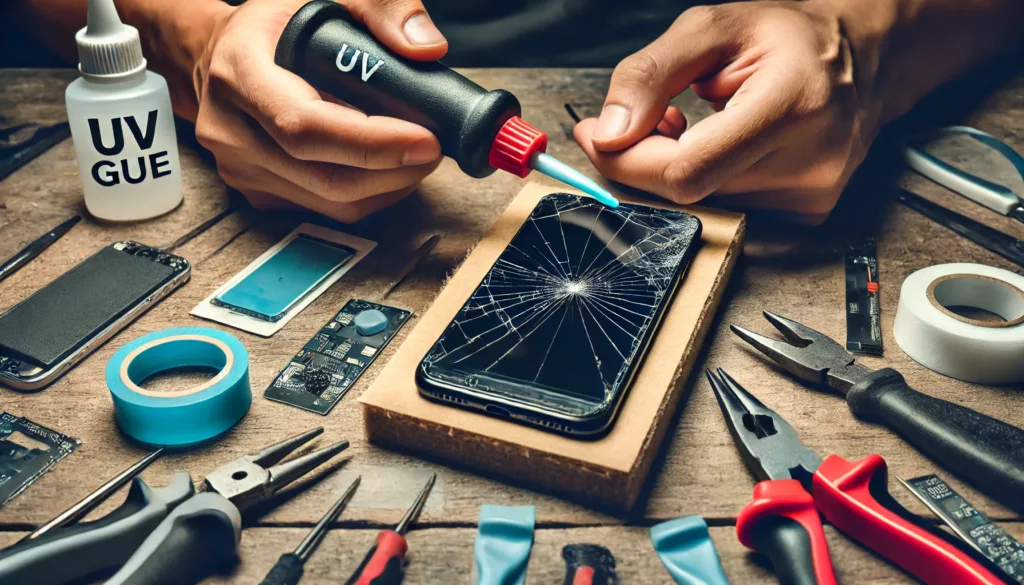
column 783, row 521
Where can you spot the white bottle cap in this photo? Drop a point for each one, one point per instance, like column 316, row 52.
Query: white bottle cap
column 107, row 48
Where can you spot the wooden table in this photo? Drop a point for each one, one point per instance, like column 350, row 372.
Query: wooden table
column 795, row 271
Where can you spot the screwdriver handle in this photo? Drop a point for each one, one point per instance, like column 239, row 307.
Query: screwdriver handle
column 383, row 565
column 783, row 524
column 287, row 571
column 324, row 45
column 198, row 539
column 854, row 496
column 981, row 450
column 72, row 552
column 588, row 564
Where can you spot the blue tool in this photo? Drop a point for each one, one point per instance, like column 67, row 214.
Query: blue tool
column 187, row 416
column 998, row 198
column 503, row 542
column 685, row 548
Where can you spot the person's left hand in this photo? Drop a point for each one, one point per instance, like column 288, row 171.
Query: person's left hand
column 791, row 124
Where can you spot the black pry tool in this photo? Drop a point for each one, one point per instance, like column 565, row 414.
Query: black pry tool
column 985, row 452
column 288, row 569
column 992, row 240
column 36, row 247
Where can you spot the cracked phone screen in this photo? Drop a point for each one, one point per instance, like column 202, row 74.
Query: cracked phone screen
column 568, row 308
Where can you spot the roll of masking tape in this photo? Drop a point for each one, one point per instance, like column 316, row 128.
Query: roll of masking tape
column 988, row 351
column 189, row 415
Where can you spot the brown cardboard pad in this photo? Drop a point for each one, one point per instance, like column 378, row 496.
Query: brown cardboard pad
column 609, row 471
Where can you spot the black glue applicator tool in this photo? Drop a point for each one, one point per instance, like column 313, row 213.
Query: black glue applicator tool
column 480, row 129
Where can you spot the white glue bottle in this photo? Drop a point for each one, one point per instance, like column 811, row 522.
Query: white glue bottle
column 121, row 123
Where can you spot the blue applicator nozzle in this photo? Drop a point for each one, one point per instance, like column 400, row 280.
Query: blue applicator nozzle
column 558, row 170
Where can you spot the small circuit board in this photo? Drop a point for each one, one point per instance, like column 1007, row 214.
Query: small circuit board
column 863, row 311
column 970, row 524
column 328, row 365
column 27, row 451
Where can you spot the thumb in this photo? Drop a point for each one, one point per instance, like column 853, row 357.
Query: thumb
column 402, row 25
column 697, row 44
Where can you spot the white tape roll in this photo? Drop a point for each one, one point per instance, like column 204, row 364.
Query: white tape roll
column 960, row 347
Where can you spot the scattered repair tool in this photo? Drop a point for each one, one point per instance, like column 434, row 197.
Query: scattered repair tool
column 384, row 564
column 26, row 254
column 288, row 570
column 685, row 548
column 86, row 504
column 588, row 564
column 480, row 129
column 783, row 522
column 998, row 198
column 992, row 240
column 170, row 535
column 985, row 452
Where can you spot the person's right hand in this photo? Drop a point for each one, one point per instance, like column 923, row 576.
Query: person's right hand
column 276, row 137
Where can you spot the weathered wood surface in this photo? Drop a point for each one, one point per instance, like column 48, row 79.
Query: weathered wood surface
column 794, row 271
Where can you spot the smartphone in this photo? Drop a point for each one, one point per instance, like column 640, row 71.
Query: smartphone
column 43, row 336
column 554, row 334
column 275, row 286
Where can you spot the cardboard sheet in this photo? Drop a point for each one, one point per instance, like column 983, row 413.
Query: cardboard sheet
column 609, row 471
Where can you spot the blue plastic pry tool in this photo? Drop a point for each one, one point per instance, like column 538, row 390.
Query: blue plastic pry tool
column 556, row 169
column 685, row 548
column 503, row 542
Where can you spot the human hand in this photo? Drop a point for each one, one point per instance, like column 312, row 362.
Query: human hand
column 791, row 125
column 276, row 137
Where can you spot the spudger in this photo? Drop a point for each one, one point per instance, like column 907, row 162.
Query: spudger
column 14, row 263
column 288, row 569
column 384, row 564
column 86, row 504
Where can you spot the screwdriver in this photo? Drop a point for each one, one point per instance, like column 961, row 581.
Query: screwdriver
column 482, row 130
column 288, row 569
column 384, row 564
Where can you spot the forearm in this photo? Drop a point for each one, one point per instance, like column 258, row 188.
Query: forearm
column 174, row 35
column 904, row 49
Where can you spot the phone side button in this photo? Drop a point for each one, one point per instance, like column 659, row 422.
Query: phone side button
column 497, row 410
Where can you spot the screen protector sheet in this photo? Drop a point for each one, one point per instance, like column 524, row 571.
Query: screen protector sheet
column 570, row 304
column 284, row 280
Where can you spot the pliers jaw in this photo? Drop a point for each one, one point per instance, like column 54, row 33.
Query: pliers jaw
column 807, row 354
column 770, row 447
column 253, row 478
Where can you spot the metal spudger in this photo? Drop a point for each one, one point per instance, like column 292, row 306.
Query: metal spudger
column 288, row 570
column 86, row 504
column 993, row 240
column 384, row 563
column 26, row 254
column 414, row 511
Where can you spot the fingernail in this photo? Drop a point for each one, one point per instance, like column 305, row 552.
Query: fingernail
column 420, row 153
column 613, row 122
column 420, row 31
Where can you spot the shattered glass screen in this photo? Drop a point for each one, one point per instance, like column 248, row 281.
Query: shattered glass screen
column 569, row 305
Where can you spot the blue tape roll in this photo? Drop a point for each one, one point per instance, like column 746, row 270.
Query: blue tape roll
column 190, row 415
